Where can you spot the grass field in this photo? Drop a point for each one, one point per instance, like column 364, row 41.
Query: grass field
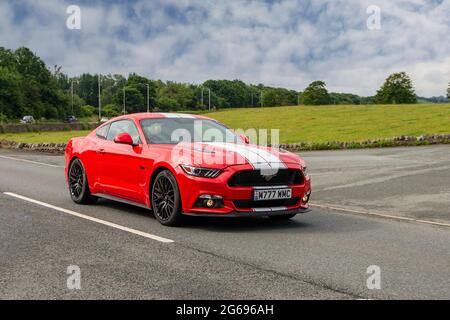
column 313, row 123
column 341, row 123
column 38, row 137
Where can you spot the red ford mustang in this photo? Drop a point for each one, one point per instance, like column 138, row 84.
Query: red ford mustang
column 178, row 164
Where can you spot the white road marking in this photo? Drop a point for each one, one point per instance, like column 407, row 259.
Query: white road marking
column 79, row 215
column 30, row 161
column 379, row 214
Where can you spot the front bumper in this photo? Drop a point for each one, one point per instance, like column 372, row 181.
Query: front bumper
column 191, row 188
column 245, row 214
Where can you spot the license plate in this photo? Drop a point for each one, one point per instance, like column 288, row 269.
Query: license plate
column 272, row 194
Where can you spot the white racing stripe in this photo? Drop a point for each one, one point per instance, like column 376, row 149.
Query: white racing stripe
column 177, row 115
column 258, row 158
column 33, row 162
column 83, row 216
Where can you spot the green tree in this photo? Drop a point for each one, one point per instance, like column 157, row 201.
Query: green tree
column 173, row 96
column 134, row 100
column 344, row 98
column 3, row 118
column 110, row 110
column 166, row 103
column 87, row 111
column 233, row 93
column 7, row 59
column 316, row 94
column 86, row 86
column 40, row 87
column 11, row 94
column 141, row 83
column 398, row 88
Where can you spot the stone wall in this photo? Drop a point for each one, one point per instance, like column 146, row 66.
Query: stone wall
column 377, row 143
column 56, row 148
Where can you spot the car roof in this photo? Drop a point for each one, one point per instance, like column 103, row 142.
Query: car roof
column 158, row 115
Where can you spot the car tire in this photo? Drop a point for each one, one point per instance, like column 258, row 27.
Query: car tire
column 283, row 217
column 78, row 184
column 166, row 199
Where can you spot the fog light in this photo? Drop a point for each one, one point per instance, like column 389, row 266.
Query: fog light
column 209, row 201
column 306, row 197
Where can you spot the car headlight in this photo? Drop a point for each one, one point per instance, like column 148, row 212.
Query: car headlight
column 200, row 172
column 305, row 171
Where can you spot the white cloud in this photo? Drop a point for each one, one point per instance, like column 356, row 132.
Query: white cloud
column 284, row 43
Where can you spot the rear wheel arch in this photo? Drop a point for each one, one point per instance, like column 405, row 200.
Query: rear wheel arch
column 70, row 164
column 73, row 159
column 84, row 196
column 87, row 171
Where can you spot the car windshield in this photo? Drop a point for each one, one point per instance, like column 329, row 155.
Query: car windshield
column 176, row 130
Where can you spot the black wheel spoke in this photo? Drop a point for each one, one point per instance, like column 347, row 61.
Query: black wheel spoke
column 76, row 179
column 163, row 197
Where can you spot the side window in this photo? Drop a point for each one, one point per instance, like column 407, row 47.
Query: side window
column 157, row 132
column 102, row 132
column 124, row 126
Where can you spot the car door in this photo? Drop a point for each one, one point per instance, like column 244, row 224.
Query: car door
column 94, row 158
column 123, row 165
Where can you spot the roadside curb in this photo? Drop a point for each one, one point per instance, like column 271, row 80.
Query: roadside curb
column 380, row 215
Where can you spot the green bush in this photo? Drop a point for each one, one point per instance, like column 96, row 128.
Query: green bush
column 3, row 118
column 168, row 104
column 110, row 111
column 87, row 111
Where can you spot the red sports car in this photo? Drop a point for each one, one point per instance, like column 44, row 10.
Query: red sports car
column 179, row 164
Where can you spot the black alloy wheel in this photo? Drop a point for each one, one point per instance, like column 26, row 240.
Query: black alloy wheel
column 166, row 202
column 78, row 184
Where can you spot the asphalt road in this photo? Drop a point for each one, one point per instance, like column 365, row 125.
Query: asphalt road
column 320, row 255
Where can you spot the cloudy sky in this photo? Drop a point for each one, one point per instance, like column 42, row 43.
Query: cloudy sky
column 284, row 43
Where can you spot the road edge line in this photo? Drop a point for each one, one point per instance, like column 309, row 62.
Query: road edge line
column 86, row 217
column 31, row 161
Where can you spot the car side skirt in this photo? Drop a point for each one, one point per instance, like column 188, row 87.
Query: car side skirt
column 118, row 199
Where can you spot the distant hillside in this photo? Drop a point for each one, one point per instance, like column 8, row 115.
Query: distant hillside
column 440, row 99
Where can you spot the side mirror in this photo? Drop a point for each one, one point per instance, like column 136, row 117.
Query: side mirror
column 124, row 138
column 245, row 138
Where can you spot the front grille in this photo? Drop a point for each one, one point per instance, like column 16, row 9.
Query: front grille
column 241, row 204
column 254, row 178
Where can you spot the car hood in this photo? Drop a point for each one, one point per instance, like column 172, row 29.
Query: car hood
column 221, row 155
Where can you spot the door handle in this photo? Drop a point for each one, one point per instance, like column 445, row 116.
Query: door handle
column 101, row 150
